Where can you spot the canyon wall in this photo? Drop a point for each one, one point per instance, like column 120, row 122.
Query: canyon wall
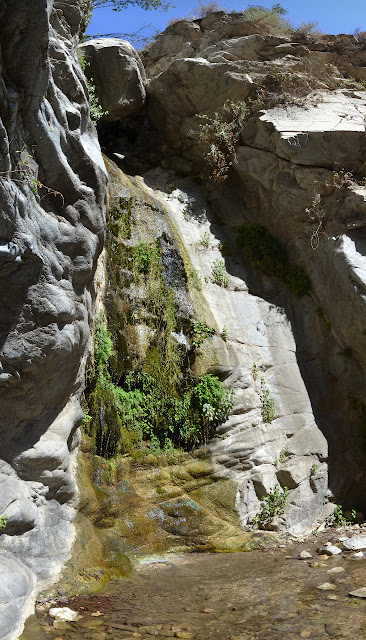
column 52, row 192
column 298, row 171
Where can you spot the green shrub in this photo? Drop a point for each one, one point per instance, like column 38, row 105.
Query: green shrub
column 146, row 255
column 268, row 408
column 340, row 519
column 103, row 348
column 218, row 135
column 272, row 20
column 268, row 256
column 3, row 521
column 273, row 504
column 205, row 240
column 201, row 331
column 219, row 274
column 96, row 110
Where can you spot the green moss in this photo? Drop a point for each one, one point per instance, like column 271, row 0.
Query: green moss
column 268, row 256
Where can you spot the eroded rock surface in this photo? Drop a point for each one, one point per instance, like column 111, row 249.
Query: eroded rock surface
column 52, row 194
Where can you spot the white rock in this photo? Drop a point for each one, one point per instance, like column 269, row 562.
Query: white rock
column 358, row 593
column 326, row 586
column 355, row 543
column 336, row 570
column 304, row 555
column 63, row 614
column 330, row 550
column 358, row 554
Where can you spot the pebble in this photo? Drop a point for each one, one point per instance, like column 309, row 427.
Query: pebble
column 326, row 586
column 336, row 570
column 358, row 593
column 358, row 554
column 316, row 564
column 304, row 555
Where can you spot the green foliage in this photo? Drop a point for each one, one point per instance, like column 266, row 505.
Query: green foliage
column 341, row 519
column 271, row 19
column 219, row 274
column 267, row 255
column 96, row 111
column 268, row 408
column 201, row 331
column 3, row 521
column 146, row 255
column 212, row 402
column 273, row 504
column 183, row 421
column 205, row 240
column 283, row 456
column 218, row 135
column 255, row 371
column 103, row 349
column 225, row 333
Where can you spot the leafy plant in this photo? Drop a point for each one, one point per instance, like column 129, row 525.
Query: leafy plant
column 103, row 349
column 225, row 333
column 255, row 371
column 273, row 504
column 145, row 255
column 219, row 274
column 96, row 110
column 283, row 456
column 205, row 240
column 268, row 256
column 218, row 135
column 340, row 519
column 3, row 521
column 201, row 331
column 268, row 408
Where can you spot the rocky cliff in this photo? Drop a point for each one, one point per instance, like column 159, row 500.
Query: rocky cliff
column 52, row 191
column 297, row 176
column 256, row 277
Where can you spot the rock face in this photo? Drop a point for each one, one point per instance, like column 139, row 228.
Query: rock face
column 52, row 192
column 304, row 132
column 119, row 75
column 303, row 135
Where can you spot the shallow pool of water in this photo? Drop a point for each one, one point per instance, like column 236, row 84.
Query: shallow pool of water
column 258, row 595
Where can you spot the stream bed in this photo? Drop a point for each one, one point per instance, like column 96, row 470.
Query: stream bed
column 258, row 595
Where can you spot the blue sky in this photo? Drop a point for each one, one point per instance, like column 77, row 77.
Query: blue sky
column 333, row 16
